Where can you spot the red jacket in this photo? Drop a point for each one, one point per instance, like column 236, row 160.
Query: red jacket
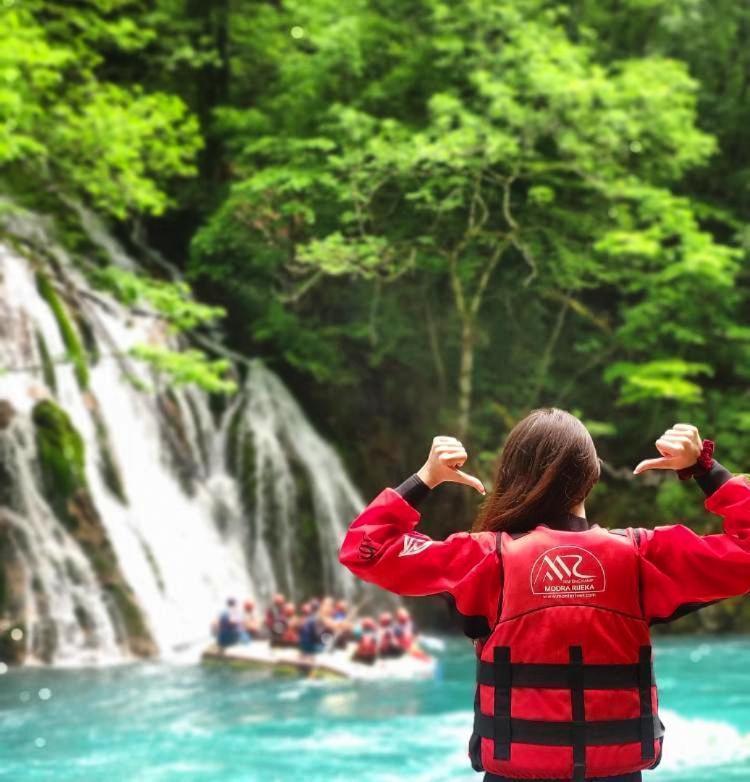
column 676, row 569
column 679, row 569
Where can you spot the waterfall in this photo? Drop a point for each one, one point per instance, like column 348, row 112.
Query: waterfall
column 66, row 609
column 282, row 440
column 196, row 507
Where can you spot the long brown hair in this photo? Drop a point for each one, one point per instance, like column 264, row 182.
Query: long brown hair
column 548, row 465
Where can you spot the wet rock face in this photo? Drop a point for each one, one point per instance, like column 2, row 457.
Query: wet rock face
column 62, row 465
column 12, row 600
column 177, row 442
column 6, row 413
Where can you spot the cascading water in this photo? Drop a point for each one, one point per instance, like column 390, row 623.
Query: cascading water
column 66, row 608
column 198, row 509
column 287, row 455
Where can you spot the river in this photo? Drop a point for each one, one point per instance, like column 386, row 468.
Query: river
column 154, row 721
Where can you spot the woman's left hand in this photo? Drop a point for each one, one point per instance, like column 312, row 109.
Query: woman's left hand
column 679, row 447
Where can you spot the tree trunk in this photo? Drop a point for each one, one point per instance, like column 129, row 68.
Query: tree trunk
column 465, row 377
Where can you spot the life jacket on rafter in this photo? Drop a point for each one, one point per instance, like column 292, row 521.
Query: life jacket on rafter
column 565, row 686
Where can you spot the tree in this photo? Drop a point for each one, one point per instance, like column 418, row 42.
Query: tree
column 533, row 155
column 65, row 129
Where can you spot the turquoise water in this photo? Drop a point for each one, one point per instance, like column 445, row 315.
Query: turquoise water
column 167, row 722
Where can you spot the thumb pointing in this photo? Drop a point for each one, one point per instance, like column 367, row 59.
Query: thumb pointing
column 651, row 464
column 470, row 480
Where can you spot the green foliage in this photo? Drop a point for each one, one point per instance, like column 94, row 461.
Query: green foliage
column 657, row 379
column 63, row 126
column 120, row 147
column 76, row 352
column 188, row 367
column 173, row 300
column 536, row 165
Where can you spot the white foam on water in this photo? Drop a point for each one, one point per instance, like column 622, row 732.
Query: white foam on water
column 442, row 741
column 692, row 742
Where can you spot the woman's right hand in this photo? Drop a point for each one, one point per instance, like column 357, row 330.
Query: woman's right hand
column 447, row 454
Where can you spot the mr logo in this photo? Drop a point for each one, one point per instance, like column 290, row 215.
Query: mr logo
column 567, row 571
column 415, row 543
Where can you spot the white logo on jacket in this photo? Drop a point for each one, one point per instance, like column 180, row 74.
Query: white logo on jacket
column 415, row 544
column 560, row 569
column 567, row 571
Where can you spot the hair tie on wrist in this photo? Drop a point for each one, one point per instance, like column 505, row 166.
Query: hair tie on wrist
column 703, row 464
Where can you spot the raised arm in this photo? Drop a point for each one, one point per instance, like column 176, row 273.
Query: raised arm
column 383, row 546
column 681, row 570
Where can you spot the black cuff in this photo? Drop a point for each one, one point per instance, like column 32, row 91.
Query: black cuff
column 414, row 490
column 711, row 480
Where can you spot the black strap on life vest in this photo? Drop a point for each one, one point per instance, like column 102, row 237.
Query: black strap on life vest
column 579, row 732
column 501, row 727
column 578, row 712
column 647, row 715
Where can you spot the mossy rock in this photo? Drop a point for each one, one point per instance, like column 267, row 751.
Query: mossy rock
column 62, row 466
column 48, row 366
column 92, row 537
column 68, row 331
column 139, row 638
column 61, row 455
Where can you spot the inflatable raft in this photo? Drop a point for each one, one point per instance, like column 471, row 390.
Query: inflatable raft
column 336, row 664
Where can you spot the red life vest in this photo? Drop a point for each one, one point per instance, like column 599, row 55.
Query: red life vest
column 565, row 685
column 387, row 641
column 290, row 636
column 368, row 645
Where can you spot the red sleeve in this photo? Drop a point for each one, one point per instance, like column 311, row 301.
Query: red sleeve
column 682, row 571
column 383, row 547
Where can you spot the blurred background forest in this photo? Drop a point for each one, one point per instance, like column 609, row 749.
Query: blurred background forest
column 426, row 217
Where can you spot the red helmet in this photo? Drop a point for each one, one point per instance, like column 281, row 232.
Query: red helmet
column 385, row 618
column 402, row 615
column 368, row 623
